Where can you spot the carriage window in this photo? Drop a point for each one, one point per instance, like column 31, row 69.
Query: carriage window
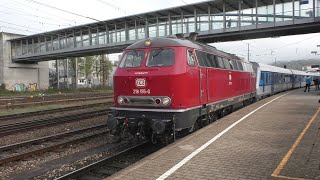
column 231, row 65
column 234, row 64
column 201, row 58
column 220, row 62
column 226, row 63
column 249, row 67
column 190, row 57
column 212, row 60
column 246, row 67
column 262, row 79
column 161, row 57
column 132, row 59
column 240, row 65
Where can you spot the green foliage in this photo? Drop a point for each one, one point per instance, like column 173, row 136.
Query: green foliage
column 98, row 66
column 2, row 87
column 86, row 66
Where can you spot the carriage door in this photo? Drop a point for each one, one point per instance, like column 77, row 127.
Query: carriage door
column 203, row 85
column 203, row 72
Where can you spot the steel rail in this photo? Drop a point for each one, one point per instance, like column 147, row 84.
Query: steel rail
column 46, row 148
column 80, row 172
column 38, row 103
column 17, row 127
column 42, row 112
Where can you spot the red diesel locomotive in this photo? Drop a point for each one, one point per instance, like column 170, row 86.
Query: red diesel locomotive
column 166, row 85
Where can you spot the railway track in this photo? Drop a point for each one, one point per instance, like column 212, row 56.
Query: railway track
column 50, row 97
column 43, row 112
column 124, row 157
column 18, row 151
column 20, row 126
column 13, row 104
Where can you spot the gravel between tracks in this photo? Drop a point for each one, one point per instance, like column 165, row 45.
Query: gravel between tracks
column 66, row 168
column 12, row 168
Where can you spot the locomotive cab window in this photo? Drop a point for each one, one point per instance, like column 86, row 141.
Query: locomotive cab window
column 132, row 59
column 190, row 57
column 160, row 57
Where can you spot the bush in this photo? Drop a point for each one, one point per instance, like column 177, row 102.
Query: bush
column 2, row 87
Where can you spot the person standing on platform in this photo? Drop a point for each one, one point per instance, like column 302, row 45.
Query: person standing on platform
column 308, row 83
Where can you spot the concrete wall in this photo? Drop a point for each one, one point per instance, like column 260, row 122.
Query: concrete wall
column 1, row 59
column 21, row 76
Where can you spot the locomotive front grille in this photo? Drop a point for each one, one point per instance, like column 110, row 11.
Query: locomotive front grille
column 151, row 101
column 141, row 101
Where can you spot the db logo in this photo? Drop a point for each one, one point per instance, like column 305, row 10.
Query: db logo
column 141, row 82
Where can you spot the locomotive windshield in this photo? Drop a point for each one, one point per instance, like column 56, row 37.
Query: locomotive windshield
column 132, row 59
column 161, row 57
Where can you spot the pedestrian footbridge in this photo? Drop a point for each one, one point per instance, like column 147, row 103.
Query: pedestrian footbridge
column 216, row 20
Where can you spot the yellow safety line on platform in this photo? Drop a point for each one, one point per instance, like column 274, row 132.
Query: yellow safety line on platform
column 286, row 158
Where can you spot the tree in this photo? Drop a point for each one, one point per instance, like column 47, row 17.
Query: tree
column 105, row 69
column 86, row 66
column 72, row 66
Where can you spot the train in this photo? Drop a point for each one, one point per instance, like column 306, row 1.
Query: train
column 168, row 86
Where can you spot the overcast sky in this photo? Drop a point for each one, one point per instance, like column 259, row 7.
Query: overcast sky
column 27, row 17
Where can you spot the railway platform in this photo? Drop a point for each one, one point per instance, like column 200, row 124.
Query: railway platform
column 274, row 138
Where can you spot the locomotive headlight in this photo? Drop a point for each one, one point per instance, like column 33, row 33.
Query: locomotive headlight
column 120, row 100
column 166, row 101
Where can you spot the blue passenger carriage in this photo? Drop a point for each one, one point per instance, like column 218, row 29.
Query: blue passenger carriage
column 271, row 79
column 298, row 78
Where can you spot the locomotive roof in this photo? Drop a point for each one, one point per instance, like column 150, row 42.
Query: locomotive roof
column 165, row 42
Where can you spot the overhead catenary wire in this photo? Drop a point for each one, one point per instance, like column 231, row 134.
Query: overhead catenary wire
column 19, row 14
column 62, row 10
column 28, row 14
column 273, row 49
column 41, row 23
column 113, row 6
column 45, row 12
column 20, row 25
column 16, row 29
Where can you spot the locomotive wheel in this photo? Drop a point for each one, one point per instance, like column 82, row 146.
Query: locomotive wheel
column 118, row 135
column 212, row 117
column 114, row 138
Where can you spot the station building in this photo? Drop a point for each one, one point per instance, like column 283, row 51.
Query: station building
column 18, row 76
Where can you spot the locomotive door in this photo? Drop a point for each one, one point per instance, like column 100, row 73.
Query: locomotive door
column 203, row 85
